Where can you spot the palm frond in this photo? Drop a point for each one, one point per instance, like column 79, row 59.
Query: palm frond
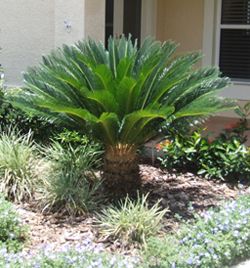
column 122, row 94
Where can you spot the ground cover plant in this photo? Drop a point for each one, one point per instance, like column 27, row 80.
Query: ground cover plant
column 131, row 221
column 217, row 238
column 120, row 96
column 12, row 232
column 68, row 257
column 20, row 166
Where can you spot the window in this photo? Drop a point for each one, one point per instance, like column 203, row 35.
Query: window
column 109, row 20
column 123, row 16
column 234, row 39
column 132, row 19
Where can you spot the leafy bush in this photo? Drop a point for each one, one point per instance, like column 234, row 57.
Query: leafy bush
column 217, row 238
column 220, row 158
column 239, row 128
column 20, row 166
column 9, row 116
column 131, row 221
column 74, row 138
column 225, row 159
column 72, row 185
column 12, row 233
column 181, row 151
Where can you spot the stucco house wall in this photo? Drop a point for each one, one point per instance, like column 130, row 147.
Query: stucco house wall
column 181, row 21
column 26, row 32
column 31, row 28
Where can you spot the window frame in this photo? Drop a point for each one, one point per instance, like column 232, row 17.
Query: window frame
column 221, row 26
column 148, row 18
column 211, row 47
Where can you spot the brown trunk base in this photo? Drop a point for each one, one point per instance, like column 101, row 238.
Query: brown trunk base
column 121, row 171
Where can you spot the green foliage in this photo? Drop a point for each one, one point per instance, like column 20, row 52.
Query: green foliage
column 10, row 116
column 221, row 158
column 131, row 221
column 113, row 94
column 70, row 137
column 183, row 151
column 1, row 77
column 20, row 166
column 225, row 159
column 71, row 186
column 239, row 129
column 12, row 233
column 217, row 238
column 73, row 258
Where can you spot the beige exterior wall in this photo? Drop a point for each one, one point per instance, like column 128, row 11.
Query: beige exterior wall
column 31, row 28
column 69, row 21
column 26, row 32
column 181, row 21
column 95, row 19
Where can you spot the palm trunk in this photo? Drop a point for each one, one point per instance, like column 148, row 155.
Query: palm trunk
column 121, row 170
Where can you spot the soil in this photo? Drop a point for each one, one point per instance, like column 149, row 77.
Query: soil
column 183, row 194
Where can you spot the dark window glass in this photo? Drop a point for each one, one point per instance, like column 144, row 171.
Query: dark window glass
column 235, row 53
column 235, row 12
column 132, row 19
column 109, row 21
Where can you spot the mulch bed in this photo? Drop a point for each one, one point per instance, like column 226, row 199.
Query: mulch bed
column 181, row 193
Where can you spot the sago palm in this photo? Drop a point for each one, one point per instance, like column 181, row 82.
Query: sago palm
column 120, row 95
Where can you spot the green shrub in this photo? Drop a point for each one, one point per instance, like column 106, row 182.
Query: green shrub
column 42, row 130
column 20, row 166
column 9, row 116
column 74, row 138
column 131, row 221
column 217, row 238
column 181, row 151
column 72, row 185
column 239, row 129
column 12, row 233
column 225, row 158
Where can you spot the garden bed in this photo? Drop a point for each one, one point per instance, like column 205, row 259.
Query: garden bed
column 183, row 194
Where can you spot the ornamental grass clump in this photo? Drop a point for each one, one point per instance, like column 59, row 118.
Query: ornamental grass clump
column 131, row 221
column 72, row 186
column 20, row 166
column 217, row 238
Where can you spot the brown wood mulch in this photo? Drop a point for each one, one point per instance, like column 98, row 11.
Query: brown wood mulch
column 181, row 193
